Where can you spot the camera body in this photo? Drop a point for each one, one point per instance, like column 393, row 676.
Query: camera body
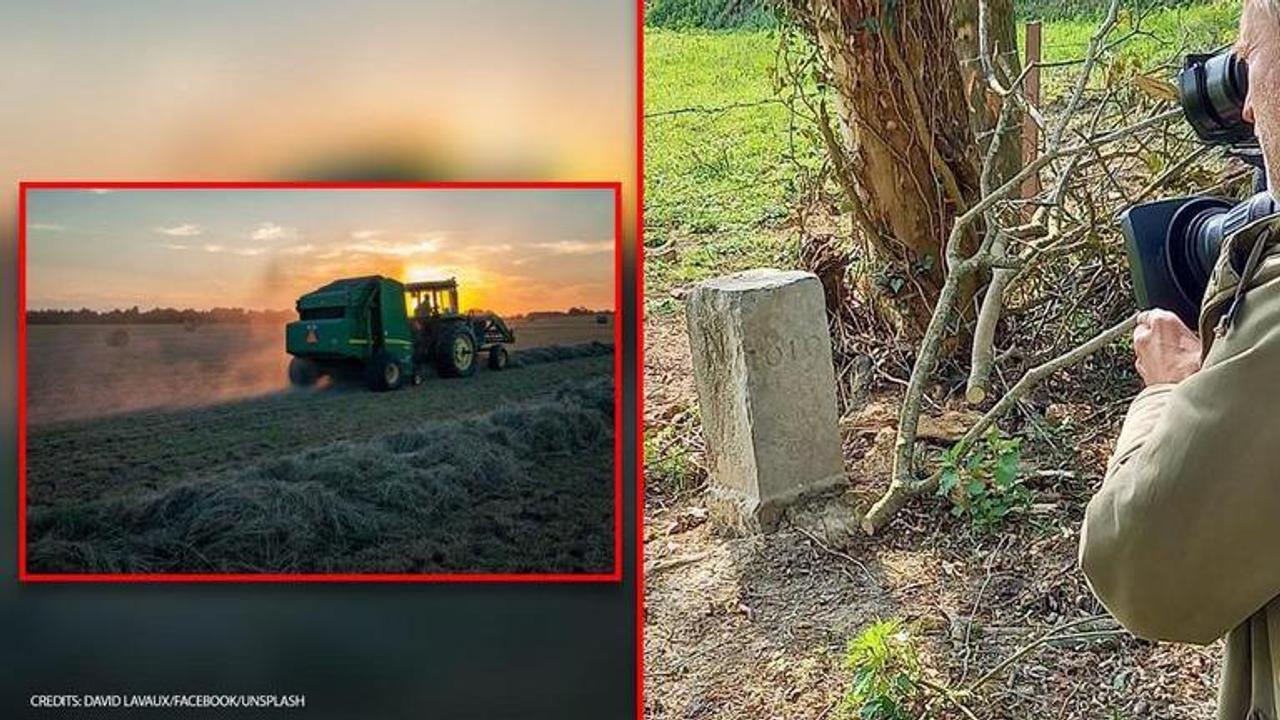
column 1173, row 244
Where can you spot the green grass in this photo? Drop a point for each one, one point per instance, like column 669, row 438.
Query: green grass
column 709, row 14
column 1073, row 9
column 756, row 15
column 1166, row 33
column 738, row 152
column 726, row 175
column 719, row 185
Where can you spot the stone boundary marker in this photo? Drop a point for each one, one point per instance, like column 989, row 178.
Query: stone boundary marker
column 766, row 392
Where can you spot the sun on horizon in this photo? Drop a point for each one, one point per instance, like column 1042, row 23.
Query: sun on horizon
column 511, row 251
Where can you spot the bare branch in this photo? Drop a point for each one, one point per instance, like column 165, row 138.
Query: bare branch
column 893, row 501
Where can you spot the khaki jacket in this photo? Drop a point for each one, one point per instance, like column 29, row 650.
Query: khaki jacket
column 1182, row 542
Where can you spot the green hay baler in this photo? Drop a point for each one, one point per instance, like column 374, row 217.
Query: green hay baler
column 389, row 331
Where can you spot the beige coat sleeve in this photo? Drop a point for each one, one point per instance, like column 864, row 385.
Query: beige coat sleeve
column 1182, row 542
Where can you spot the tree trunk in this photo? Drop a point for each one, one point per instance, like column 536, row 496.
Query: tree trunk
column 911, row 149
column 984, row 104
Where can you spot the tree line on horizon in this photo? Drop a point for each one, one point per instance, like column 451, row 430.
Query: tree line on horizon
column 156, row 316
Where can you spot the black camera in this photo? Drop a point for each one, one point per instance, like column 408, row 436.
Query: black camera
column 1174, row 244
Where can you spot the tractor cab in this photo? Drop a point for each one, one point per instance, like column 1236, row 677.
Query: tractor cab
column 433, row 298
column 444, row 335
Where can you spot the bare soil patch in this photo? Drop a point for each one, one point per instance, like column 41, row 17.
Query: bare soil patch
column 755, row 627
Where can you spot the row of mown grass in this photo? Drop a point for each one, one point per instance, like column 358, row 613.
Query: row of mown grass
column 524, row 488
column 725, row 164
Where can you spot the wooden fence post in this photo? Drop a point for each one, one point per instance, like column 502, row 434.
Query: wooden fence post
column 1031, row 131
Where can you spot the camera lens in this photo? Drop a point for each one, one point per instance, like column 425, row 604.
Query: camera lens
column 1212, row 90
column 1196, row 234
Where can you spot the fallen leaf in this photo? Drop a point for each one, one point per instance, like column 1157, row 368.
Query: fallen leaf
column 1156, row 88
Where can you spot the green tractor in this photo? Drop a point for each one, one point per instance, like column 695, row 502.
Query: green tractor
column 365, row 325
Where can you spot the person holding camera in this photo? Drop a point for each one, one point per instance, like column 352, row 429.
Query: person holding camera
column 1181, row 542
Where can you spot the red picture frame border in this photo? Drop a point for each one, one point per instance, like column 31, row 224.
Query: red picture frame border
column 639, row 355
column 614, row 576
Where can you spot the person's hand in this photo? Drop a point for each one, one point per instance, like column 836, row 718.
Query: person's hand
column 1166, row 350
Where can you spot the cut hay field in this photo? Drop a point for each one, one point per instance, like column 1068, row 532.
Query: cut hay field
column 83, row 371
column 506, row 471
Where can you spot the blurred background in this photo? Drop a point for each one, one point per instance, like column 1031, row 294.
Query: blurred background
column 337, row 91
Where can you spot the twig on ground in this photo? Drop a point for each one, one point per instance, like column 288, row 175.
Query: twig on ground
column 841, row 555
column 1054, row 633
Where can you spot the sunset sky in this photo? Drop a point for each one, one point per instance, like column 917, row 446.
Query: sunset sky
column 512, row 251
column 318, row 88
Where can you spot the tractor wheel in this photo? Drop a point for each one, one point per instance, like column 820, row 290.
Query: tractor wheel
column 498, row 357
column 303, row 372
column 384, row 372
column 456, row 351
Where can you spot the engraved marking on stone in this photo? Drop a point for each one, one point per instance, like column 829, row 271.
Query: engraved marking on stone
column 777, row 352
